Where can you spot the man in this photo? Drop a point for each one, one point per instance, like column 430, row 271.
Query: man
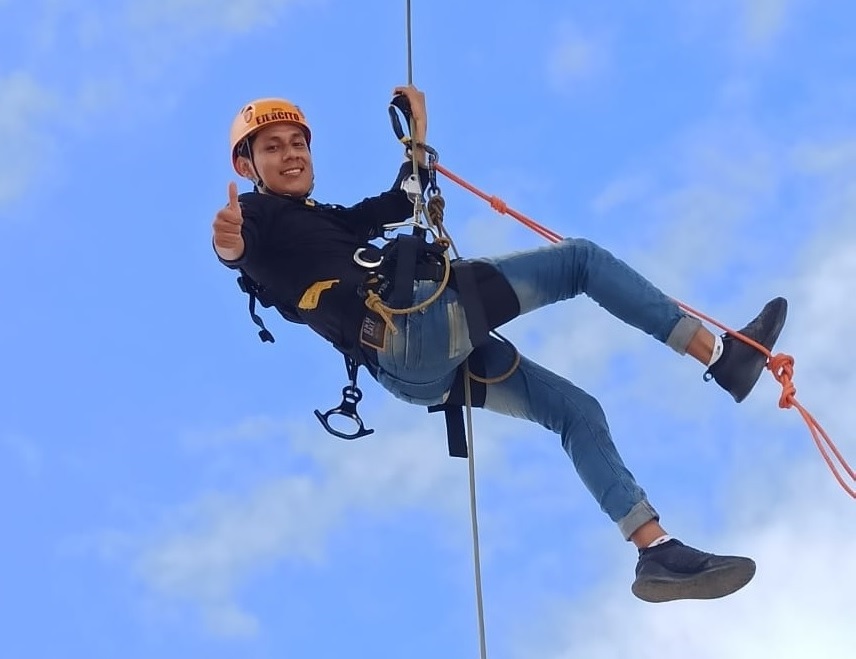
column 302, row 253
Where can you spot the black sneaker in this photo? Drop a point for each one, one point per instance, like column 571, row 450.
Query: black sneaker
column 674, row 571
column 740, row 365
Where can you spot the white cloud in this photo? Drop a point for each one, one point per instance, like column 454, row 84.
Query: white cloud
column 799, row 604
column 251, row 429
column 210, row 547
column 786, row 512
column 764, row 20
column 228, row 620
column 699, row 228
column 836, row 159
column 621, row 192
column 689, row 208
column 25, row 452
column 161, row 33
column 573, row 56
column 26, row 110
column 215, row 543
column 823, row 312
column 752, row 24
column 203, row 15
column 120, row 54
column 782, row 506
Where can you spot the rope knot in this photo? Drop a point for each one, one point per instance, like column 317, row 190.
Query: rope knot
column 782, row 367
column 435, row 208
column 375, row 303
column 498, row 205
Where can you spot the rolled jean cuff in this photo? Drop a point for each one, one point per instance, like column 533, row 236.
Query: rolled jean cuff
column 683, row 332
column 639, row 514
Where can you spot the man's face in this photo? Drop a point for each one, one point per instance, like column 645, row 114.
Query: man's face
column 282, row 159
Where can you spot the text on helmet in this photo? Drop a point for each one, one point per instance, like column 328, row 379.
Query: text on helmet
column 278, row 115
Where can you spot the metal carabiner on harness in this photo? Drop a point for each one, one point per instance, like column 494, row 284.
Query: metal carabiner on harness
column 413, row 188
column 351, row 395
column 394, row 226
column 399, row 102
column 365, row 263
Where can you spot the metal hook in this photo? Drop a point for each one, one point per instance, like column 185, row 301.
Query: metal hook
column 392, row 226
column 359, row 260
column 351, row 395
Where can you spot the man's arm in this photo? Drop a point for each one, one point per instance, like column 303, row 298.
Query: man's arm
column 419, row 119
column 233, row 238
column 393, row 205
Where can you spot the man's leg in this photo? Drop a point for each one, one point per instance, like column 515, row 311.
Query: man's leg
column 536, row 394
column 563, row 270
column 667, row 571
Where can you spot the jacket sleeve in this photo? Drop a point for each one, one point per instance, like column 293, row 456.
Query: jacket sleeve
column 391, row 206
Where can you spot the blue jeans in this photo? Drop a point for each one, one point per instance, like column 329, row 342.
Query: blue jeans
column 421, row 358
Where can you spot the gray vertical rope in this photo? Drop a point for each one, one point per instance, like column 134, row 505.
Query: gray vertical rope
column 471, row 461
column 409, row 47
column 468, row 399
column 417, row 205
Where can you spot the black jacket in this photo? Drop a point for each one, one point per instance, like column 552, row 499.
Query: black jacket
column 301, row 253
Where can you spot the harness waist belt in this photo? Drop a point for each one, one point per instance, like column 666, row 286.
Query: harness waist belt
column 429, row 270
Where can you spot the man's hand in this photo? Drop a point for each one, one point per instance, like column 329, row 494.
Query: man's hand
column 228, row 241
column 419, row 127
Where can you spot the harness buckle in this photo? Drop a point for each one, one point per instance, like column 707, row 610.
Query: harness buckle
column 374, row 281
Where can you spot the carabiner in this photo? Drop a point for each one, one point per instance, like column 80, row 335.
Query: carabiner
column 400, row 102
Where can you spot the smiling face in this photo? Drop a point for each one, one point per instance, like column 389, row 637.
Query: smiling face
column 282, row 160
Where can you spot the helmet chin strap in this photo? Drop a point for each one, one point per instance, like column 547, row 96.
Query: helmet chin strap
column 264, row 189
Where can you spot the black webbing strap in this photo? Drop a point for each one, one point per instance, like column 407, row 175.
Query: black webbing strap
column 249, row 287
column 407, row 250
column 455, row 433
column 471, row 300
column 488, row 301
column 453, row 408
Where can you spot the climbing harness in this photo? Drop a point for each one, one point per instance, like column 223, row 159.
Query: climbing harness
column 486, row 296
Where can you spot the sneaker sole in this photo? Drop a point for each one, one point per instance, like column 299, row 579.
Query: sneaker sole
column 711, row 584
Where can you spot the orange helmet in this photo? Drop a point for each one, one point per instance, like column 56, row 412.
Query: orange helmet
column 262, row 112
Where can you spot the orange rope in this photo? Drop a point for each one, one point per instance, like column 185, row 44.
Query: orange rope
column 780, row 365
column 500, row 206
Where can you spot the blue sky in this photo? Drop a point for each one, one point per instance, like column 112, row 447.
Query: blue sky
column 165, row 487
